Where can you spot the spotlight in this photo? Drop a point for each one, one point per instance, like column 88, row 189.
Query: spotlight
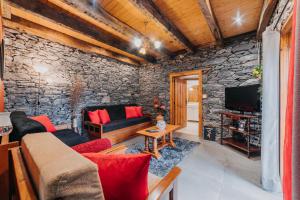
column 142, row 51
column 238, row 19
column 157, row 44
column 137, row 42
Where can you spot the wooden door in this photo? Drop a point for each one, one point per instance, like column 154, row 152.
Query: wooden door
column 180, row 102
column 175, row 100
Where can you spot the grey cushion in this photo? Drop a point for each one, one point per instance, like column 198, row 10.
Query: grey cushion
column 58, row 172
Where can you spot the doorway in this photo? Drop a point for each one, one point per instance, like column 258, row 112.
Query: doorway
column 186, row 100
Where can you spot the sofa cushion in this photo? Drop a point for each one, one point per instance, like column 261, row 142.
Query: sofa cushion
column 57, row 171
column 94, row 116
column 104, row 116
column 115, row 125
column 23, row 125
column 116, row 112
column 131, row 112
column 139, row 110
column 123, row 176
column 69, row 137
column 44, row 119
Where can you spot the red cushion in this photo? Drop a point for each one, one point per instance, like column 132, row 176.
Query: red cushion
column 130, row 112
column 94, row 116
column 123, row 176
column 45, row 121
column 104, row 116
column 93, row 146
column 139, row 110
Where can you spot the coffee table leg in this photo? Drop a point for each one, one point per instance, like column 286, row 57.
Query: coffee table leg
column 171, row 139
column 155, row 149
column 146, row 143
column 164, row 140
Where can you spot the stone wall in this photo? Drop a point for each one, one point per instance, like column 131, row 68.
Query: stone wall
column 105, row 81
column 230, row 66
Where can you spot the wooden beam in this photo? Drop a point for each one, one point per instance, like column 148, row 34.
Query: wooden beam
column 56, row 36
column 153, row 11
column 101, row 20
column 42, row 21
column 208, row 13
column 265, row 16
column 110, row 42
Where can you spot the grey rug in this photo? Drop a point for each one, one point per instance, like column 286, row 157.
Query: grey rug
column 170, row 156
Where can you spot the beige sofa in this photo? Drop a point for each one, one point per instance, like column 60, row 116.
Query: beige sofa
column 45, row 168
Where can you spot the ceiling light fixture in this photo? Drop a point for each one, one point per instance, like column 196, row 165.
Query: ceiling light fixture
column 142, row 51
column 137, row 42
column 143, row 44
column 238, row 19
column 157, row 44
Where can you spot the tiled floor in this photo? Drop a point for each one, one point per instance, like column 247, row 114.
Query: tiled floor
column 190, row 129
column 215, row 172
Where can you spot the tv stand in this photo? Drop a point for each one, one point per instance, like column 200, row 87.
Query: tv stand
column 247, row 132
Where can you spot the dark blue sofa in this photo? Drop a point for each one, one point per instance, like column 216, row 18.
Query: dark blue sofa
column 23, row 125
column 120, row 128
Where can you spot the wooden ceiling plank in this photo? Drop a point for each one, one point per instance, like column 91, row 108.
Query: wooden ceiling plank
column 63, row 39
column 205, row 7
column 265, row 16
column 149, row 7
column 30, row 16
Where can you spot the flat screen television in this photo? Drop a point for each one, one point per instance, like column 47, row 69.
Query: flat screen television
column 244, row 98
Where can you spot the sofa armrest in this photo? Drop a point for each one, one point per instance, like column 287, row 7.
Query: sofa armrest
column 90, row 124
column 4, row 139
column 147, row 115
column 5, row 145
column 167, row 184
column 93, row 129
column 120, row 149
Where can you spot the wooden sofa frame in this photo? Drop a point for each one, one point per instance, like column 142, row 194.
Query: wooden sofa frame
column 116, row 136
column 23, row 189
column 5, row 145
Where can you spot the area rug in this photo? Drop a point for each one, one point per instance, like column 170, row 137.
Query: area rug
column 170, row 156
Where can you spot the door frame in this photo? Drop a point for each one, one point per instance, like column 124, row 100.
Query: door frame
column 285, row 39
column 172, row 77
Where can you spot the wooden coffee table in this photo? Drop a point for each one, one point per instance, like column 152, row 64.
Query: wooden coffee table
column 156, row 135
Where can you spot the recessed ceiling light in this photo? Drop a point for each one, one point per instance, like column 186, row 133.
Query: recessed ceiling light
column 142, row 51
column 157, row 44
column 137, row 42
column 238, row 19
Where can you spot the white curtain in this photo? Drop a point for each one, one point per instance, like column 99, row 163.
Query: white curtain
column 270, row 112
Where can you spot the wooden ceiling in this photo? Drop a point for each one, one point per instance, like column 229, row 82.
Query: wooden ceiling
column 107, row 27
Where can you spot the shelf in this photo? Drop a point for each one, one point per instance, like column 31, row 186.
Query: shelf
column 252, row 132
column 240, row 145
column 237, row 115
